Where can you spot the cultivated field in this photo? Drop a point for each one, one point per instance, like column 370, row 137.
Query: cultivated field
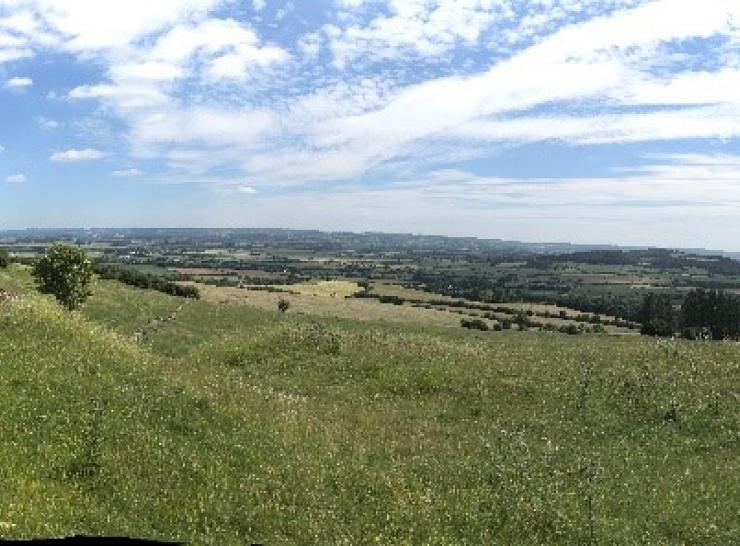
column 324, row 305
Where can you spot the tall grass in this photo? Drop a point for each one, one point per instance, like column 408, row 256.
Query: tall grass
column 286, row 430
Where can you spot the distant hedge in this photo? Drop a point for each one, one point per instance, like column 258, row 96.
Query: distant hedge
column 146, row 281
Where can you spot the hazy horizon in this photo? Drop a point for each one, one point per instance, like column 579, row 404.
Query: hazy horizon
column 543, row 242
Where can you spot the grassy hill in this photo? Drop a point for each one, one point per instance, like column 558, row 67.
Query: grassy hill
column 226, row 423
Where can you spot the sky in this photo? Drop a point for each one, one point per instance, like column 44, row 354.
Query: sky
column 586, row 121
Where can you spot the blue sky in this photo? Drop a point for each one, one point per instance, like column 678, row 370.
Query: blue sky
column 591, row 121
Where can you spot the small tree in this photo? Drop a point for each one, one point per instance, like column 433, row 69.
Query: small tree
column 283, row 305
column 4, row 258
column 65, row 272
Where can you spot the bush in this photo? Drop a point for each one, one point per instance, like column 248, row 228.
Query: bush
column 65, row 272
column 4, row 258
column 571, row 329
column 659, row 328
column 474, row 324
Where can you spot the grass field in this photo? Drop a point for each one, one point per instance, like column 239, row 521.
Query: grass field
column 334, row 289
column 234, row 424
column 327, row 306
column 328, row 299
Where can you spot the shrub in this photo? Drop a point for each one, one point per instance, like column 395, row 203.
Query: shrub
column 283, row 305
column 571, row 329
column 65, row 272
column 474, row 324
column 4, row 258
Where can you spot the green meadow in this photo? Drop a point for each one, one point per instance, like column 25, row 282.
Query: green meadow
column 220, row 423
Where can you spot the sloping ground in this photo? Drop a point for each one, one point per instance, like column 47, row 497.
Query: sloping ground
column 122, row 308
column 295, row 431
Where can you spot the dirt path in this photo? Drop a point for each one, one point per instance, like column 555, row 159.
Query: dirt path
column 140, row 335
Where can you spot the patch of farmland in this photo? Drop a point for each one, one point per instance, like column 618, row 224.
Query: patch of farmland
column 326, row 306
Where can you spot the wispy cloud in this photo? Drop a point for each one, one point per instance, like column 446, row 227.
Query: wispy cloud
column 18, row 82
column 16, row 178
column 88, row 154
column 127, row 173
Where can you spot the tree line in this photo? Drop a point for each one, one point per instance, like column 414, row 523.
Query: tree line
column 703, row 314
column 147, row 281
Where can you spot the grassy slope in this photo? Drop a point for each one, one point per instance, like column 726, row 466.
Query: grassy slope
column 122, row 308
column 295, row 431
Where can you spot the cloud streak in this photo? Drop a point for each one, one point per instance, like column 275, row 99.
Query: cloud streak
column 71, row 156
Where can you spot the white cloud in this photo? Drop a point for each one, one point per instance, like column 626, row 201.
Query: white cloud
column 203, row 53
column 127, row 173
column 582, row 62
column 422, row 26
column 14, row 54
column 146, row 71
column 87, row 154
column 47, row 124
column 85, row 25
column 310, row 44
column 16, row 179
column 205, row 126
column 191, row 87
column 20, row 22
column 18, row 82
column 259, row 5
column 699, row 87
column 719, row 122
column 249, row 190
column 14, row 44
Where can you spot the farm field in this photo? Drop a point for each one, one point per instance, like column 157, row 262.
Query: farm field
column 334, row 299
column 233, row 423
column 324, row 305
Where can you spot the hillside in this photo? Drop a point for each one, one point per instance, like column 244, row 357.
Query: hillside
column 226, row 423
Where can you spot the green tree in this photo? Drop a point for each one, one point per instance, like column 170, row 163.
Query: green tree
column 65, row 272
column 657, row 315
column 4, row 258
column 711, row 310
